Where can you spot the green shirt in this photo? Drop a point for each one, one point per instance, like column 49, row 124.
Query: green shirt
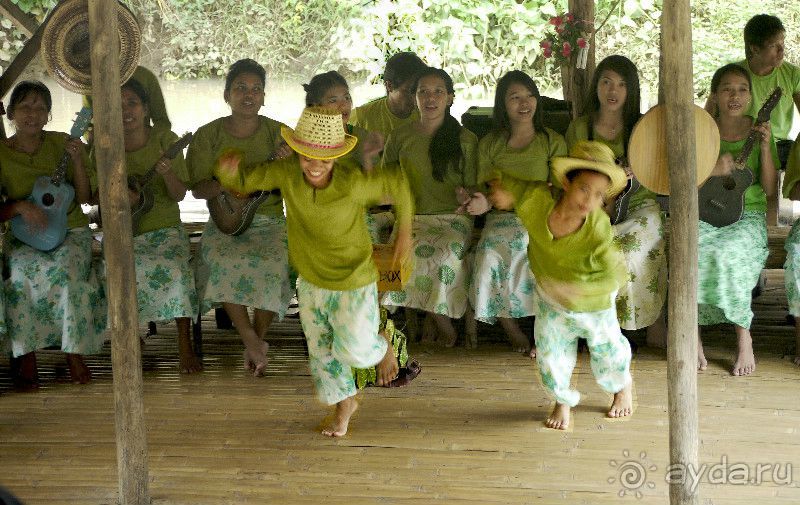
column 211, row 140
column 165, row 211
column 329, row 244
column 19, row 171
column 787, row 76
column 754, row 198
column 792, row 169
column 375, row 116
column 530, row 163
column 157, row 107
column 580, row 270
column 409, row 148
column 579, row 130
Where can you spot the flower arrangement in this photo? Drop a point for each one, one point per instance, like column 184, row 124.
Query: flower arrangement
column 567, row 37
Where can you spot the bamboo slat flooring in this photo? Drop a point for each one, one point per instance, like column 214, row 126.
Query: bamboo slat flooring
column 468, row 430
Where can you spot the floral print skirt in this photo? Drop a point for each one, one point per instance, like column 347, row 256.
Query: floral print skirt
column 54, row 298
column 791, row 276
column 251, row 269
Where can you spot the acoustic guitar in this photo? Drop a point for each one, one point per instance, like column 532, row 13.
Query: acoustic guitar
column 54, row 196
column 142, row 183
column 722, row 197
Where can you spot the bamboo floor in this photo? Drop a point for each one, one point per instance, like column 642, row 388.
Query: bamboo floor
column 468, row 430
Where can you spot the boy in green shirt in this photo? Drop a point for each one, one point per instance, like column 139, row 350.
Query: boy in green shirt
column 578, row 271
column 330, row 248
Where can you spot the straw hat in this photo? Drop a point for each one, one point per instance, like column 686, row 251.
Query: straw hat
column 65, row 45
column 319, row 134
column 592, row 156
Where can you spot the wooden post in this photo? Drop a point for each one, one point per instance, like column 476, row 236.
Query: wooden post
column 118, row 249
column 581, row 80
column 682, row 349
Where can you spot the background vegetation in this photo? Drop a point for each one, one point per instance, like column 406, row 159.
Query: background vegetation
column 475, row 40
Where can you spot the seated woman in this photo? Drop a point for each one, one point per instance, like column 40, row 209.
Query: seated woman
column 439, row 156
column 250, row 269
column 519, row 146
column 731, row 257
column 50, row 296
column 791, row 278
column 614, row 109
column 164, row 279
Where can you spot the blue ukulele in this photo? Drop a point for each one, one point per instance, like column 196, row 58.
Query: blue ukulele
column 54, row 196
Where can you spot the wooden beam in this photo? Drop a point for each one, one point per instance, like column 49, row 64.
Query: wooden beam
column 581, row 80
column 20, row 62
column 26, row 23
column 118, row 250
column 676, row 36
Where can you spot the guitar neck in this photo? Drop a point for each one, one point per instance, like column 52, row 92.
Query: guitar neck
column 60, row 172
column 741, row 160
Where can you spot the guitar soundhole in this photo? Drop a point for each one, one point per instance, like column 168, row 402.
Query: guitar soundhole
column 729, row 183
column 47, row 199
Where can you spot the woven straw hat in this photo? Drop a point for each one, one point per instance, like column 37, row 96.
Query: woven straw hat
column 592, row 156
column 319, row 134
column 65, row 45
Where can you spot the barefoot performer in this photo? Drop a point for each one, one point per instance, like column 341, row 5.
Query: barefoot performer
column 578, row 270
column 329, row 245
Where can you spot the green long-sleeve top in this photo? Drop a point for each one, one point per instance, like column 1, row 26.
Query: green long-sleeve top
column 579, row 130
column 792, row 176
column 754, row 198
column 211, row 140
column 529, row 163
column 19, row 171
column 375, row 116
column 580, row 270
column 409, row 148
column 329, row 244
column 165, row 211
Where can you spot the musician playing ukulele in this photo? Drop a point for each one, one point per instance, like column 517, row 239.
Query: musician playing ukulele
column 250, row 269
column 614, row 109
column 731, row 257
column 164, row 278
column 50, row 296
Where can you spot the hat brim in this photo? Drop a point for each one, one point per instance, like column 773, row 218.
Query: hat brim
column 318, row 153
column 563, row 165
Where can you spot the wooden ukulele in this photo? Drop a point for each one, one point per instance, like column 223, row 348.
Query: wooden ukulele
column 722, row 197
column 141, row 183
column 54, row 196
column 620, row 210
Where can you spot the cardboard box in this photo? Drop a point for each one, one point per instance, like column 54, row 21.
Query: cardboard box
column 390, row 277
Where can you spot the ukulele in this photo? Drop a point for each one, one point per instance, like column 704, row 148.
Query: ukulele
column 54, row 196
column 722, row 197
column 620, row 210
column 141, row 183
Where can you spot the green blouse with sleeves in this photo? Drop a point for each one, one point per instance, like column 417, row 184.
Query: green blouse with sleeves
column 375, row 116
column 529, row 163
column 19, row 171
column 165, row 211
column 580, row 270
column 211, row 140
column 409, row 148
column 329, row 244
column 579, row 130
column 754, row 198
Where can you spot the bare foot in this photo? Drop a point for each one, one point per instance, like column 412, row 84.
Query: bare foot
column 388, row 368
column 559, row 418
column 519, row 341
column 344, row 411
column 702, row 362
column 25, row 372
column 78, row 371
column 188, row 362
column 429, row 332
column 532, row 353
column 657, row 334
column 471, row 329
column 255, row 358
column 447, row 332
column 746, row 361
column 622, row 406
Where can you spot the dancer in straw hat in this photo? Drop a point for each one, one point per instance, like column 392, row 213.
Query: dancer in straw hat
column 330, row 247
column 578, row 271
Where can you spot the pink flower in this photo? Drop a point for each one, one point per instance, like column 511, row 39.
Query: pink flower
column 559, row 29
column 556, row 21
column 569, row 18
column 581, row 42
column 566, row 50
column 548, row 52
column 545, row 44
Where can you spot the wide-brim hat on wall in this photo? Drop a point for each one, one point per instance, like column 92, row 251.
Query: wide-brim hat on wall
column 65, row 45
column 319, row 134
column 591, row 155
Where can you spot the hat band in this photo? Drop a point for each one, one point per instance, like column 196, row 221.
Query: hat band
column 317, row 146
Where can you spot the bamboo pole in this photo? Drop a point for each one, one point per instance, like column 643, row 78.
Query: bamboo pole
column 682, row 349
column 581, row 80
column 118, row 249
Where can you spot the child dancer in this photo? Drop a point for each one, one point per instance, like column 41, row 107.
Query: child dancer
column 330, row 247
column 578, row 271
